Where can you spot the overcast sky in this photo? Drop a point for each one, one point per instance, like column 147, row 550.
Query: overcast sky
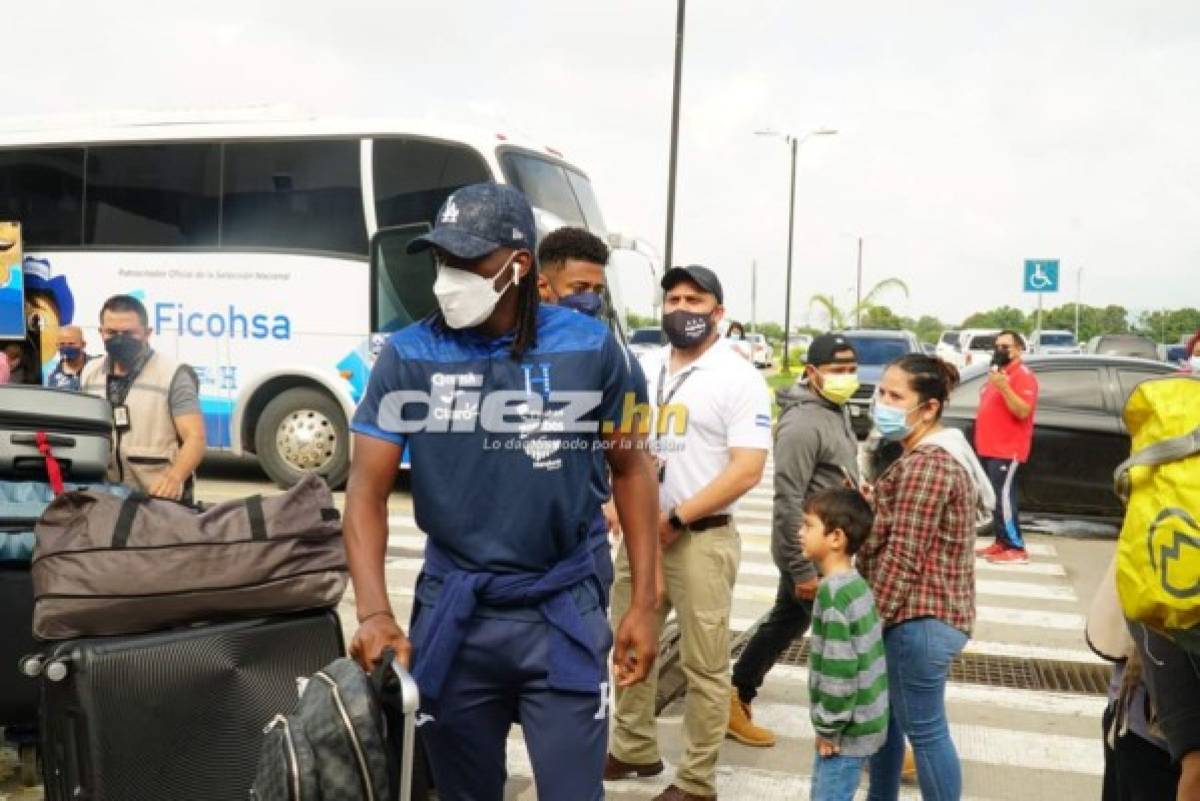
column 972, row 135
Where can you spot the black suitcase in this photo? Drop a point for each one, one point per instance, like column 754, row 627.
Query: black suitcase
column 78, row 428
column 173, row 715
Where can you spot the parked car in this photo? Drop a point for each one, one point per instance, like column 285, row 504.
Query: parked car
column 1175, row 354
column 1079, row 437
column 645, row 340
column 876, row 350
column 929, row 348
column 1052, row 343
column 947, row 347
column 1132, row 345
column 761, row 352
column 975, row 346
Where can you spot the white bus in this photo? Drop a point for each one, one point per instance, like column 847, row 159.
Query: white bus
column 248, row 243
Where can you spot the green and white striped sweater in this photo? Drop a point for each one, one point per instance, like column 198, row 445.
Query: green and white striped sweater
column 847, row 671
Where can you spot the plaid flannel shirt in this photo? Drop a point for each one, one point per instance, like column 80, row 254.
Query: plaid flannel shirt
column 919, row 558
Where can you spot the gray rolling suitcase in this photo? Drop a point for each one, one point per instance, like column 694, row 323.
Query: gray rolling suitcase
column 75, row 429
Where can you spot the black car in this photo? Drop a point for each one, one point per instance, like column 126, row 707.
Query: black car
column 1079, row 437
column 876, row 350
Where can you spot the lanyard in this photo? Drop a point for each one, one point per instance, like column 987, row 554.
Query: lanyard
column 662, row 380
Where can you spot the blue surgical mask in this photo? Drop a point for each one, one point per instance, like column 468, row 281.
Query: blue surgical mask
column 69, row 354
column 891, row 422
column 588, row 303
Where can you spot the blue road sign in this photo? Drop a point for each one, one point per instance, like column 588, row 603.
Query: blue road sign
column 1041, row 275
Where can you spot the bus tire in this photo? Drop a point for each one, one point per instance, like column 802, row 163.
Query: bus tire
column 303, row 430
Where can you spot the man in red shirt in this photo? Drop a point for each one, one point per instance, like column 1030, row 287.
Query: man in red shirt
column 1003, row 436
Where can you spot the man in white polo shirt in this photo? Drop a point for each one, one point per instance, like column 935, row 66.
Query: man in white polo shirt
column 712, row 431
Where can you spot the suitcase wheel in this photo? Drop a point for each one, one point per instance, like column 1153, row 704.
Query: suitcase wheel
column 31, row 774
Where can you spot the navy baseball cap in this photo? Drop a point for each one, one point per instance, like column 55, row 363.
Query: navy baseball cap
column 479, row 218
column 702, row 277
column 823, row 348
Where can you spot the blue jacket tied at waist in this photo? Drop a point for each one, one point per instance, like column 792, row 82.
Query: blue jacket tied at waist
column 576, row 663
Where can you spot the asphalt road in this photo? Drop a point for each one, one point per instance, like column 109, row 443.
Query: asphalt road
column 1016, row 742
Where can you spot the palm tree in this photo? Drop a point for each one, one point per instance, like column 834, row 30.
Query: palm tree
column 840, row 318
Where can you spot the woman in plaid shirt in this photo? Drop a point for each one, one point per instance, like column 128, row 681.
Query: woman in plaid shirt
column 920, row 565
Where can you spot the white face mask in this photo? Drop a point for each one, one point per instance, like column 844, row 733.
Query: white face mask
column 1195, row 362
column 467, row 299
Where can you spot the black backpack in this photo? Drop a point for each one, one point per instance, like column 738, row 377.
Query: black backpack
column 351, row 738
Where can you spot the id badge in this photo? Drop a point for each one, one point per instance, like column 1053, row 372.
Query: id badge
column 121, row 417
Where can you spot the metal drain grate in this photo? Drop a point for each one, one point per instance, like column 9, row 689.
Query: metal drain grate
column 996, row 671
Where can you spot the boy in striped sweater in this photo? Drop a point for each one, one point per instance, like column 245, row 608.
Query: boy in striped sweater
column 847, row 673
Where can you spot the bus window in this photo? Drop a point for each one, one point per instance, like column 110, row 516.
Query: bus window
column 152, row 195
column 545, row 184
column 413, row 177
column 587, row 202
column 43, row 190
column 302, row 195
column 402, row 287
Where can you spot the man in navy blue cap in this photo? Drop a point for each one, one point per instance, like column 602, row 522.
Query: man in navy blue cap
column 502, row 402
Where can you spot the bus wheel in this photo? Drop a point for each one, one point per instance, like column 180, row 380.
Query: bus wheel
column 303, row 430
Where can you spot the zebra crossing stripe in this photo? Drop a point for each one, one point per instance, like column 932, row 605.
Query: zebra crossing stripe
column 734, row 783
column 988, row 745
column 1032, row 701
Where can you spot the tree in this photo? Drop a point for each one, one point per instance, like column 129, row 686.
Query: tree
column 928, row 328
column 634, row 320
column 1003, row 317
column 840, row 318
column 881, row 317
column 1169, row 326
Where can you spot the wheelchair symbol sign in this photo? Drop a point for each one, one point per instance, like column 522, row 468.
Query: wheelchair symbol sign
column 1041, row 275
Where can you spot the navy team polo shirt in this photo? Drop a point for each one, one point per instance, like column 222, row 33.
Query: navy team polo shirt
column 499, row 502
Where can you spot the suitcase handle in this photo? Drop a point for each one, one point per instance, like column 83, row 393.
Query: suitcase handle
column 55, row 440
column 407, row 703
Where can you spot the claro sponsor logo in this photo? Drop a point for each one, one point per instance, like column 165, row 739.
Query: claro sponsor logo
column 235, row 323
column 458, row 405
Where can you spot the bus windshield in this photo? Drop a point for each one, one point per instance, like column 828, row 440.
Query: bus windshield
column 550, row 186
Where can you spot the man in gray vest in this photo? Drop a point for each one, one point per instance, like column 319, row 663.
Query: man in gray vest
column 158, row 427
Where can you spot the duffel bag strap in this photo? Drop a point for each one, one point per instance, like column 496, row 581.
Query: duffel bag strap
column 1167, row 450
column 258, row 521
column 124, row 525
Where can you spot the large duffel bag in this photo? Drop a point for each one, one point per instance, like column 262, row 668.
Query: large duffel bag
column 106, row 565
column 76, row 430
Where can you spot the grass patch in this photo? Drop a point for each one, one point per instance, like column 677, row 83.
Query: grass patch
column 777, row 382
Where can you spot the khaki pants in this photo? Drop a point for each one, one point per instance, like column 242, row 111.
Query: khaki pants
column 700, row 570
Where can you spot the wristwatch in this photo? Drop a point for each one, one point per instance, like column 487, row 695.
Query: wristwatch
column 674, row 520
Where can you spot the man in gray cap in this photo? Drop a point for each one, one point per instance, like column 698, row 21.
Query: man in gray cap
column 508, row 621
column 712, row 431
column 815, row 449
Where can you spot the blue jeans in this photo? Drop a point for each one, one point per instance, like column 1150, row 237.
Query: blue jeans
column 919, row 653
column 835, row 778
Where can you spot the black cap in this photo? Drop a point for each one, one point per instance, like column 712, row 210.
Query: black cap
column 702, row 277
column 823, row 347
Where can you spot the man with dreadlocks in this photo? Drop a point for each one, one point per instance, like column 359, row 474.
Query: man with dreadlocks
column 502, row 402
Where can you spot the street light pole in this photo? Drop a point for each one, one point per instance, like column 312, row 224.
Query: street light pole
column 794, row 143
column 1078, row 297
column 858, row 290
column 669, row 251
column 787, row 299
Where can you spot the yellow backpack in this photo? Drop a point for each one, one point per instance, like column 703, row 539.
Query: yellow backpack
column 1158, row 555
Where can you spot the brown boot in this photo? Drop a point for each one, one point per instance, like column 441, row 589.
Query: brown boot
column 908, row 772
column 673, row 793
column 742, row 729
column 615, row 769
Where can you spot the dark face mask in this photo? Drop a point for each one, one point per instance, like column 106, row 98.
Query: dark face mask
column 588, row 303
column 123, row 348
column 1001, row 358
column 686, row 329
column 69, row 353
